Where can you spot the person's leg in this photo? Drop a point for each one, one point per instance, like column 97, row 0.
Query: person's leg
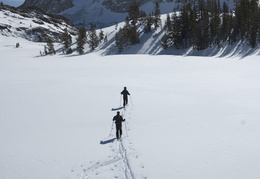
column 121, row 132
column 117, row 131
column 117, row 134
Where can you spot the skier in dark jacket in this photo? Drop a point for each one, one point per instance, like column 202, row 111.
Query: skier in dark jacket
column 125, row 94
column 118, row 121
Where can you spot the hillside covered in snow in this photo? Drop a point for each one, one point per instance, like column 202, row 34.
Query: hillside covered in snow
column 222, row 39
column 41, row 27
column 33, row 24
column 187, row 117
column 192, row 114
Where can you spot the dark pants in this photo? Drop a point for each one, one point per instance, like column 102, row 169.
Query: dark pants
column 118, row 130
column 125, row 101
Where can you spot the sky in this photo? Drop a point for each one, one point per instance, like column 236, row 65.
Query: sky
column 14, row 3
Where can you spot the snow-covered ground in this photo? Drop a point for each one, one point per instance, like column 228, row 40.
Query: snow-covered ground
column 187, row 118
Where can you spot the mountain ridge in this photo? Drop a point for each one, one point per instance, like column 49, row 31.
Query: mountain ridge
column 103, row 13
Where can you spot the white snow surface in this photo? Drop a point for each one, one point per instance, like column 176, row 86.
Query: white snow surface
column 187, row 117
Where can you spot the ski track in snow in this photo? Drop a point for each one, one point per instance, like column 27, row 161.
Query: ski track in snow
column 119, row 164
column 87, row 172
column 127, row 168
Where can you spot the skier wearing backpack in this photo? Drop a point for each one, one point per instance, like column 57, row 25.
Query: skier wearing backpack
column 118, row 121
column 125, row 94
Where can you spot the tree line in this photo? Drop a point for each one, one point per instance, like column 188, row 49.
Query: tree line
column 90, row 37
column 200, row 25
column 125, row 37
column 207, row 24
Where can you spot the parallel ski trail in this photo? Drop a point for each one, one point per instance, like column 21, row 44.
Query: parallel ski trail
column 120, row 158
column 128, row 172
column 127, row 167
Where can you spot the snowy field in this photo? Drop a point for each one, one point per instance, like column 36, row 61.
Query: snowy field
column 187, row 118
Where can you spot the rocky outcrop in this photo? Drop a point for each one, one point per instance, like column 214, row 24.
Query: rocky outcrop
column 50, row 6
column 100, row 12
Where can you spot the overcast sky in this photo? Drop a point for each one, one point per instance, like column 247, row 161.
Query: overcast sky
column 14, row 3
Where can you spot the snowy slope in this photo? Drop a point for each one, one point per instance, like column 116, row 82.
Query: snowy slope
column 36, row 26
column 32, row 24
column 188, row 117
column 150, row 43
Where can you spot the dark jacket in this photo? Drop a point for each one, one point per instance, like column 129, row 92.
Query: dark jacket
column 125, row 93
column 118, row 119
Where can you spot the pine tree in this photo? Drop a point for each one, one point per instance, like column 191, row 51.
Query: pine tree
column 167, row 39
column 101, row 36
column 194, row 26
column 254, row 23
column 126, row 36
column 164, row 42
column 66, row 41
column 177, row 30
column 215, row 23
column 242, row 16
column 133, row 35
column 205, row 31
column 50, row 47
column 45, row 50
column 168, row 24
column 234, row 35
column 148, row 24
column 93, row 40
column 120, row 40
column 81, row 40
column 186, row 25
column 157, row 15
column 226, row 23
column 133, row 13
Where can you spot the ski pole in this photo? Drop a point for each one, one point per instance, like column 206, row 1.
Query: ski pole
column 111, row 129
column 131, row 100
column 122, row 113
column 120, row 100
column 125, row 124
column 126, row 130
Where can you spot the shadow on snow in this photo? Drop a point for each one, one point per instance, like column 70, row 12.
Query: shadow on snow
column 107, row 141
